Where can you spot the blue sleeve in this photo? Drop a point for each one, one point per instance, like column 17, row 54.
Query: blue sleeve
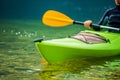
column 104, row 19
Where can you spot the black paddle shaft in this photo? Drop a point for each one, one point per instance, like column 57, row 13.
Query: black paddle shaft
column 96, row 25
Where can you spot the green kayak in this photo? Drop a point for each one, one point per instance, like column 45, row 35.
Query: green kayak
column 84, row 44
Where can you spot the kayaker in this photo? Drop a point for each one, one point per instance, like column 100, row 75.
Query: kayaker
column 110, row 18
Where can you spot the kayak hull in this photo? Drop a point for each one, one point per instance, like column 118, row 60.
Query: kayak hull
column 69, row 48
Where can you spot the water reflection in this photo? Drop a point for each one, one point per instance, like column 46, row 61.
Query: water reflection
column 82, row 69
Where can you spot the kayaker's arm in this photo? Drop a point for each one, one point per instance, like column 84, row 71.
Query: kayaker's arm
column 104, row 19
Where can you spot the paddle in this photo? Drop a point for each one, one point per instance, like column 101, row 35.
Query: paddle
column 57, row 19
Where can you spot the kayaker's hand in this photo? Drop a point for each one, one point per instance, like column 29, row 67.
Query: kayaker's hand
column 87, row 23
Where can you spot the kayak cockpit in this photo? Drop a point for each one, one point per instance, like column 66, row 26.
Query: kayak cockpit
column 90, row 38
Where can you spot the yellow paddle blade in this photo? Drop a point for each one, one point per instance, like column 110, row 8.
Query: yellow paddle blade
column 56, row 19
